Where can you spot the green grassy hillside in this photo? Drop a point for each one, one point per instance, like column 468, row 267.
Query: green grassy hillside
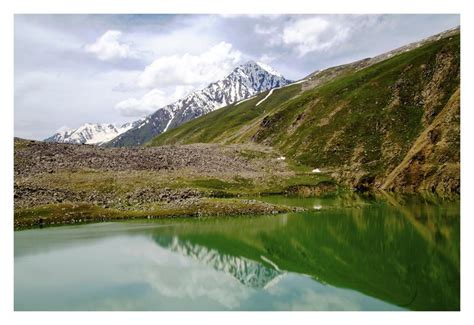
column 359, row 126
column 227, row 124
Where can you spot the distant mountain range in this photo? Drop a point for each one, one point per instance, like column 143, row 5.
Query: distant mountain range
column 243, row 82
column 91, row 133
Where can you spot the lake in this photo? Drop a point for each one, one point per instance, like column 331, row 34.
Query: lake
column 344, row 253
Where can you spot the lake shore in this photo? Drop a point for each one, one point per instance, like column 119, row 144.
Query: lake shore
column 67, row 184
column 67, row 213
column 63, row 184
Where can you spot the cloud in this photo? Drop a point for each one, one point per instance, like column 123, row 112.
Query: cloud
column 314, row 34
column 187, row 69
column 172, row 77
column 265, row 30
column 305, row 34
column 64, row 128
column 108, row 47
column 250, row 16
column 44, row 101
column 151, row 101
column 265, row 58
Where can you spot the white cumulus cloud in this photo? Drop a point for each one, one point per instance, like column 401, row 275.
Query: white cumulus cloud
column 151, row 101
column 109, row 47
column 314, row 34
column 170, row 78
column 187, row 69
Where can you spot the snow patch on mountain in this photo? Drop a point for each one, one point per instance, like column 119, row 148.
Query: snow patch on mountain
column 268, row 95
column 269, row 69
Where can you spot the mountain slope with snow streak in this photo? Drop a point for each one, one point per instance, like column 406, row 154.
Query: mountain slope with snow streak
column 243, row 82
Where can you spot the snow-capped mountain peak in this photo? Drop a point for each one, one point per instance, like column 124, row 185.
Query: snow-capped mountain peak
column 262, row 66
column 90, row 133
column 243, row 82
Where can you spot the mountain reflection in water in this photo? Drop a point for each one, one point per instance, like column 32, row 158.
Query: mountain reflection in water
column 249, row 273
column 402, row 250
column 350, row 254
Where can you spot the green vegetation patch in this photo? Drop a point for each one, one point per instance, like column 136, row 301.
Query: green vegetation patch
column 66, row 213
column 218, row 125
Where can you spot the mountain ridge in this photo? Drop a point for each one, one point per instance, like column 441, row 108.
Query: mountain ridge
column 90, row 133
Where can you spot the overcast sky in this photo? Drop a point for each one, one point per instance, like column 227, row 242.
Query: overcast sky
column 73, row 69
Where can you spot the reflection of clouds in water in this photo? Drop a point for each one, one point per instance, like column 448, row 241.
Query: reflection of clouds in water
column 194, row 272
column 274, row 281
column 172, row 274
column 134, row 273
column 314, row 300
column 296, row 292
column 280, row 290
column 310, row 299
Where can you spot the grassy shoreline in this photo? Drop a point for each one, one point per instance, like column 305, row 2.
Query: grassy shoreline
column 69, row 213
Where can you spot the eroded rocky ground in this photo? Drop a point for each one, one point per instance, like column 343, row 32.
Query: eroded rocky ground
column 65, row 182
column 33, row 157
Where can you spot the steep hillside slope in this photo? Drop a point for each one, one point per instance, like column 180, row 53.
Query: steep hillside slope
column 227, row 124
column 391, row 125
column 432, row 163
